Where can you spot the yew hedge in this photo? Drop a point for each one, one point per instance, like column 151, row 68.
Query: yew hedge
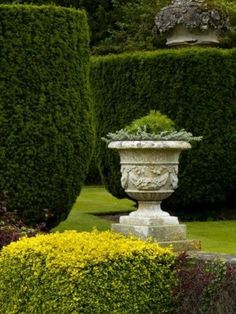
column 45, row 132
column 197, row 89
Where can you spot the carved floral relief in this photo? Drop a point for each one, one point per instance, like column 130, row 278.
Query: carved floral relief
column 149, row 178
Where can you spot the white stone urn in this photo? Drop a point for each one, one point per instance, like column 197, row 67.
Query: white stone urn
column 149, row 175
column 181, row 36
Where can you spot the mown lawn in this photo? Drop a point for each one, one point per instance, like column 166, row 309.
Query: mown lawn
column 215, row 236
column 93, row 200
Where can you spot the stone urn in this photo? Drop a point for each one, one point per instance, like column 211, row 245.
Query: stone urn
column 182, row 36
column 149, row 175
column 191, row 22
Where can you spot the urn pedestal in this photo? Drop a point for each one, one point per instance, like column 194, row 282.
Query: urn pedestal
column 149, row 175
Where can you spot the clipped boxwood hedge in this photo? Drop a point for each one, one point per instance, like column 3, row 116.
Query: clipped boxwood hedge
column 194, row 87
column 85, row 272
column 45, row 132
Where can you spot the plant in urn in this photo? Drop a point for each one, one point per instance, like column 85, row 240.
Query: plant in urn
column 149, row 151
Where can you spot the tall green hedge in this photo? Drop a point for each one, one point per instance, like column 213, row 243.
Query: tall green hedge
column 45, row 132
column 102, row 14
column 194, row 87
column 126, row 25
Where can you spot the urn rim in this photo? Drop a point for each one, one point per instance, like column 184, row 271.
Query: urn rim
column 149, row 144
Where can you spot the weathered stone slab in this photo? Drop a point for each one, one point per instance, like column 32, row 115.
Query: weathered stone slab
column 209, row 256
column 157, row 233
column 182, row 245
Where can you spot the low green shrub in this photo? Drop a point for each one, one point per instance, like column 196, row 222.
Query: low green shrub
column 196, row 89
column 46, row 138
column 85, row 273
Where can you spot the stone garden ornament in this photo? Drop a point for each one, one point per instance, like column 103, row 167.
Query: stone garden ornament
column 191, row 22
column 149, row 168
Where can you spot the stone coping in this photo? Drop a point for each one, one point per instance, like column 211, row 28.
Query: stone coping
column 209, row 256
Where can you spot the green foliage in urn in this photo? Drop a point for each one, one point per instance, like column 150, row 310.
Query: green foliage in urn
column 154, row 122
column 196, row 89
column 154, row 126
column 46, row 137
column 143, row 135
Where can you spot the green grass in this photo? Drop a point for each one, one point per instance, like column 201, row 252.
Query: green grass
column 215, row 236
column 93, row 200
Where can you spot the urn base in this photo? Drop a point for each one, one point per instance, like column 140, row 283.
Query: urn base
column 149, row 213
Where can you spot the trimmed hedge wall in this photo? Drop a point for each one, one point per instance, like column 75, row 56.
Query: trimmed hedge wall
column 118, row 26
column 45, row 131
column 194, row 87
column 85, row 272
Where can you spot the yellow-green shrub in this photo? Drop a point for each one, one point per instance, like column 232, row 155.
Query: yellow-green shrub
column 84, row 272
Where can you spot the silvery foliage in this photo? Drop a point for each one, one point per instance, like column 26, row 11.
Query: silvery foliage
column 143, row 135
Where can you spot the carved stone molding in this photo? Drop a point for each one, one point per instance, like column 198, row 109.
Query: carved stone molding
column 149, row 178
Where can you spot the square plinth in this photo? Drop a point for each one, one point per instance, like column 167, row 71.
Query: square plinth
column 148, row 221
column 160, row 233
